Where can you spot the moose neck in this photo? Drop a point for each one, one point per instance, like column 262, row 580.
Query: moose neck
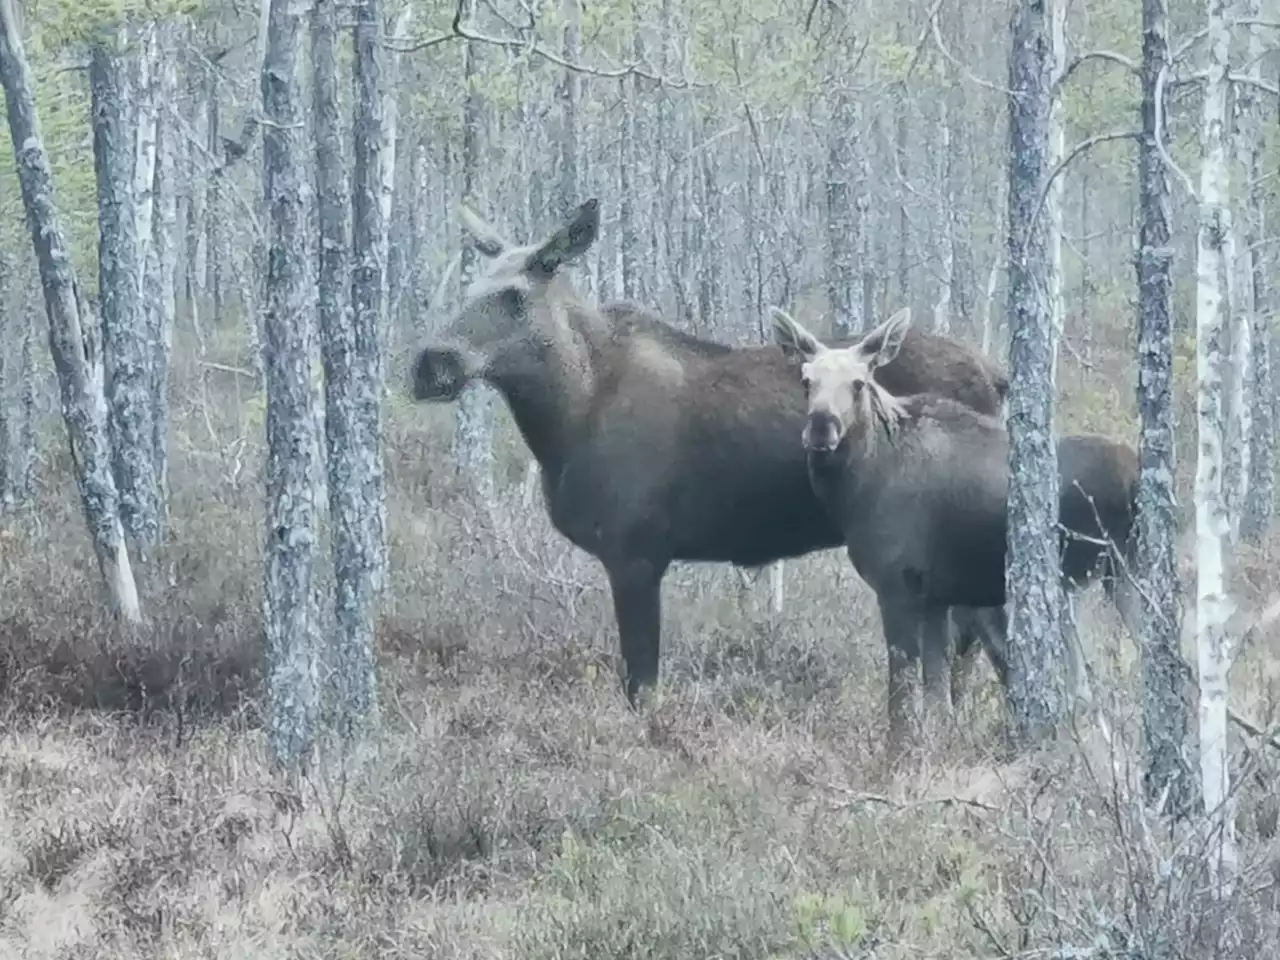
column 549, row 385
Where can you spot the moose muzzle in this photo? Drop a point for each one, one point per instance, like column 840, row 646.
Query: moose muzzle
column 822, row 431
column 438, row 375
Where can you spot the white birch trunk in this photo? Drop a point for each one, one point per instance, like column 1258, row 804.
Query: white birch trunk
column 1212, row 522
column 1256, row 488
column 1237, row 280
column 83, row 405
column 390, row 136
column 946, row 200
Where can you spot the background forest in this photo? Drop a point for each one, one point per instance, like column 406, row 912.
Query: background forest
column 837, row 160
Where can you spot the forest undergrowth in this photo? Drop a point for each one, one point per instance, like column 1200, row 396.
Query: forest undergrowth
column 513, row 806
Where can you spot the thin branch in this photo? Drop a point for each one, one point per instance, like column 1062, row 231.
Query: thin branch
column 1161, row 79
column 964, row 71
column 1107, row 56
column 1188, row 44
column 410, row 45
column 930, row 24
column 1082, row 147
column 533, row 47
column 1242, row 79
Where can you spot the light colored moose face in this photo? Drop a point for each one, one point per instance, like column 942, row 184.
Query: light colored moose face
column 511, row 302
column 843, row 397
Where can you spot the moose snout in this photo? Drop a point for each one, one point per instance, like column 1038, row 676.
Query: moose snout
column 822, row 431
column 438, row 375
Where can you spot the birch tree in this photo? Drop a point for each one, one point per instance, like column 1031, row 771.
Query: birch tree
column 1212, row 521
column 1165, row 710
column 288, row 335
column 1260, row 485
column 1035, row 638
column 127, row 349
column 83, row 404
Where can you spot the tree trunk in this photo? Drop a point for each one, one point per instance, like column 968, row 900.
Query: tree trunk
column 1035, row 637
column 7, row 431
column 844, row 298
column 214, row 204
column 288, row 328
column 353, row 400
column 1057, row 147
column 161, row 265
column 144, row 115
column 390, row 89
column 83, row 405
column 473, row 433
column 127, row 346
column 629, row 246
column 570, row 95
column 1165, row 711
column 1212, row 523
column 197, row 190
column 1259, row 501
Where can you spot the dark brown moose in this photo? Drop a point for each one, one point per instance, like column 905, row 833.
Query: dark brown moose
column 919, row 485
column 654, row 445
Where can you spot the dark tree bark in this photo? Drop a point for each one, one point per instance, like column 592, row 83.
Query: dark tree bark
column 128, row 348
column 289, row 332
column 83, row 405
column 1035, row 636
column 353, row 375
column 1165, row 714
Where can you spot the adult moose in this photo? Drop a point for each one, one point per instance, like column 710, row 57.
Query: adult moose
column 654, row 445
column 919, row 485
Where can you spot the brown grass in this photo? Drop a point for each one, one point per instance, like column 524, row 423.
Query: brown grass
column 512, row 805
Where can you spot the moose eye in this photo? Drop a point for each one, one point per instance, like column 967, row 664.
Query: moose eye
column 512, row 301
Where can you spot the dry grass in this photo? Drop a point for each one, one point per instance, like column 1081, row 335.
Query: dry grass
column 512, row 805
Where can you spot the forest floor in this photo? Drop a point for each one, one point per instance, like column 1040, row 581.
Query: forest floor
column 512, row 805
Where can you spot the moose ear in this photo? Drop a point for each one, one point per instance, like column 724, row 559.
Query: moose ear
column 792, row 337
column 882, row 344
column 486, row 238
column 569, row 242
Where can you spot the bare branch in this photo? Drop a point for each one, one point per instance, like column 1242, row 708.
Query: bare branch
column 1238, row 78
column 1165, row 156
column 964, row 71
column 1106, row 56
column 1189, row 44
column 1082, row 147
column 531, row 46
column 410, row 45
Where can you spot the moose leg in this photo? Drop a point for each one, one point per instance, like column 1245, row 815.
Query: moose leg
column 902, row 641
column 935, row 645
column 637, row 604
column 966, row 631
